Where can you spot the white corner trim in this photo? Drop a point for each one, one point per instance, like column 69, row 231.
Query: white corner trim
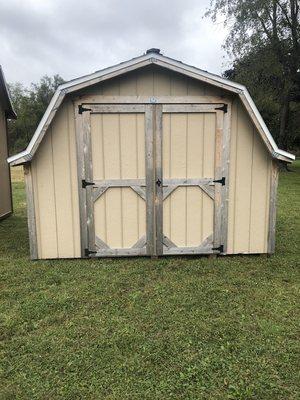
column 135, row 63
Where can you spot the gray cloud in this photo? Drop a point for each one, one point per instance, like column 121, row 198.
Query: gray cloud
column 74, row 38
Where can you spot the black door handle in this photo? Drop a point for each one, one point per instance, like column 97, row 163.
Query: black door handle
column 158, row 182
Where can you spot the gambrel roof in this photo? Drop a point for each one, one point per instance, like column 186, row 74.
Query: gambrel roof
column 152, row 56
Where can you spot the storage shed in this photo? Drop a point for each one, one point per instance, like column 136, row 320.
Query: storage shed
column 6, row 112
column 151, row 157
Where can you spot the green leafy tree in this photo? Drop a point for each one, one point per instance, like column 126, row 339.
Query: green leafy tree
column 264, row 39
column 30, row 105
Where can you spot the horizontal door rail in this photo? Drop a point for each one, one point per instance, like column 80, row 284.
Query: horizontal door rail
column 119, row 182
column 189, row 108
column 116, row 108
column 188, row 181
column 153, row 99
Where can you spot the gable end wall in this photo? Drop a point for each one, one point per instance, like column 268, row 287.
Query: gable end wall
column 55, row 172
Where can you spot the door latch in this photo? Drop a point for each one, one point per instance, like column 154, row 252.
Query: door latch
column 158, row 182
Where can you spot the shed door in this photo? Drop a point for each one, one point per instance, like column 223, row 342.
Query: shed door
column 114, row 185
column 151, row 179
column 191, row 163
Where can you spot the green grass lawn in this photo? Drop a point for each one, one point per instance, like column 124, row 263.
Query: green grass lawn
column 172, row 328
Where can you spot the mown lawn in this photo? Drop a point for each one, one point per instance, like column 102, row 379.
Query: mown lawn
column 173, row 328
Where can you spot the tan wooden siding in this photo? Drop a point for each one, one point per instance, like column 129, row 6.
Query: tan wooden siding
column 55, row 189
column 151, row 81
column 55, row 174
column 249, row 174
column 5, row 189
column 118, row 152
column 188, row 211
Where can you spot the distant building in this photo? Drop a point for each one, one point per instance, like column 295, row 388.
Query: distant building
column 6, row 112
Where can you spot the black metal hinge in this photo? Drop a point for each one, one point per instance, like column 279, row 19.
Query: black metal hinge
column 224, row 108
column 88, row 252
column 220, row 248
column 81, row 109
column 222, row 181
column 84, row 183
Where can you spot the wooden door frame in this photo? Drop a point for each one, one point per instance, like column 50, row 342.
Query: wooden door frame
column 153, row 111
column 221, row 192
column 87, row 196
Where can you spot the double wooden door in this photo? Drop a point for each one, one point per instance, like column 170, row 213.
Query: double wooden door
column 151, row 179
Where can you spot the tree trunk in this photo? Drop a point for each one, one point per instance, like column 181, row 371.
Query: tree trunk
column 284, row 119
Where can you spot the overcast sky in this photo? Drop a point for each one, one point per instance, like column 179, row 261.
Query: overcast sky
column 74, row 38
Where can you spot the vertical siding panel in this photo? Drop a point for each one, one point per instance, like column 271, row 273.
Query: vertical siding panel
column 211, row 90
column 140, row 143
column 34, row 167
column 243, row 182
column 209, row 144
column 260, row 190
column 145, row 82
column 179, row 85
column 194, row 170
column 232, row 177
column 128, row 85
column 111, row 87
column 73, row 179
column 62, row 184
column 96, row 144
column 128, row 146
column 111, row 132
column 98, row 173
column 46, row 196
column 166, row 129
column 195, row 88
column 162, row 83
column 178, row 170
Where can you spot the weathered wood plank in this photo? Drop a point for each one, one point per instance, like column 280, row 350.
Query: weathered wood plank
column 119, row 182
column 272, row 207
column 81, row 175
column 120, row 252
column 98, row 192
column 140, row 243
column 100, row 244
column 168, row 242
column 190, row 108
column 88, row 166
column 188, row 181
column 116, row 108
column 102, row 99
column 167, row 190
column 208, row 189
column 150, row 182
column 218, row 175
column 140, row 191
column 31, row 221
column 158, row 178
column 225, row 173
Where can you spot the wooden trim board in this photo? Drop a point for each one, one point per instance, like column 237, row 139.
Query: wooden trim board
column 30, row 212
column 272, row 206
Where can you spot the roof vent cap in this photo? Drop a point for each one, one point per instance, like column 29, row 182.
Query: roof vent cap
column 153, row 50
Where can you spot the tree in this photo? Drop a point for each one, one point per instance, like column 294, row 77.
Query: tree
column 30, row 105
column 271, row 26
column 259, row 71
